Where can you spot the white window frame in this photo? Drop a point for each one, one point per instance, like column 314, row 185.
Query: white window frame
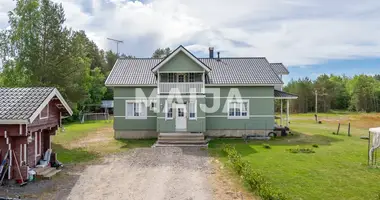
column 47, row 116
column 195, row 110
column 142, row 109
column 238, row 104
column 167, row 110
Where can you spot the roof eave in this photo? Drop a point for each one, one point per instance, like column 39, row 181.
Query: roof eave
column 11, row 121
column 175, row 52
column 55, row 92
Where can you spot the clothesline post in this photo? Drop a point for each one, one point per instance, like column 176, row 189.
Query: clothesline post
column 369, row 139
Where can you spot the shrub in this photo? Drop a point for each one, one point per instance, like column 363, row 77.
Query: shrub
column 267, row 146
column 302, row 150
column 315, row 145
column 255, row 180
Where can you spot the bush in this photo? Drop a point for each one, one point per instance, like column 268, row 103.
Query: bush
column 267, row 146
column 255, row 180
column 302, row 150
column 315, row 145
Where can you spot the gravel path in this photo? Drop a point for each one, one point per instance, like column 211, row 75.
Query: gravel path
column 149, row 173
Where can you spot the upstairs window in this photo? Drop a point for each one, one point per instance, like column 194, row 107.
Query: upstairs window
column 191, row 77
column 238, row 109
column 181, row 78
column 45, row 112
column 171, row 77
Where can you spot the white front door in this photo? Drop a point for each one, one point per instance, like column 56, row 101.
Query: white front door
column 180, row 117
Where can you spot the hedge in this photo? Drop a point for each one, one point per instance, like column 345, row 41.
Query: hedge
column 255, row 180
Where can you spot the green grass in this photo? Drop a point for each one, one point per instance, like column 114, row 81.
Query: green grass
column 337, row 170
column 74, row 145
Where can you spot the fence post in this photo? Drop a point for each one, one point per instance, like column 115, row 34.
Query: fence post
column 349, row 129
column 337, row 132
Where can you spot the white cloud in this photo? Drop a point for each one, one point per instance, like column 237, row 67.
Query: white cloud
column 296, row 32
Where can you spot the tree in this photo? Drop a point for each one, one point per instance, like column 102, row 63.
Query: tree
column 38, row 50
column 161, row 53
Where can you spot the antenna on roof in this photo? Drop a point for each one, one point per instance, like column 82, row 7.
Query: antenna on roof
column 117, row 44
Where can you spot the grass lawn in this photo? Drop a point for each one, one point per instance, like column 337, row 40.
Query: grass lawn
column 338, row 169
column 89, row 141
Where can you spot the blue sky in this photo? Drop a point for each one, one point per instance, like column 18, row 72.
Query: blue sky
column 311, row 37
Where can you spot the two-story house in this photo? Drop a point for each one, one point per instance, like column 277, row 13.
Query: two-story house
column 214, row 96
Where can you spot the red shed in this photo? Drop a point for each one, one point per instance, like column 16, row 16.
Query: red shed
column 28, row 119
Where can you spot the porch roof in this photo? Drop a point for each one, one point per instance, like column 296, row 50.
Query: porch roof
column 284, row 95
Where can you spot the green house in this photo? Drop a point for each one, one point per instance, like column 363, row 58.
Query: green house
column 215, row 96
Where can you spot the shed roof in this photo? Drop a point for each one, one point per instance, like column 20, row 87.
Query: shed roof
column 227, row 71
column 23, row 105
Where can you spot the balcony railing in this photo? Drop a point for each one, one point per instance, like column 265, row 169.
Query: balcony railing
column 193, row 87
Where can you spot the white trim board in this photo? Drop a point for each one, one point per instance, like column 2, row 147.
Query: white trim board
column 180, row 49
column 55, row 92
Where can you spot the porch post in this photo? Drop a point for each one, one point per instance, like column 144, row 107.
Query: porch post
column 281, row 112
column 158, row 81
column 287, row 112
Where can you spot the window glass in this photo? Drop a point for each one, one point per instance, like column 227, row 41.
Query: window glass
column 136, row 109
column 181, row 78
column 169, row 111
column 191, row 77
column 171, row 77
column 192, row 108
column 245, row 109
column 231, row 109
column 181, row 112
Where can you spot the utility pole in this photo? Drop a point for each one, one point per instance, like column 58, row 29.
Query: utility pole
column 316, row 106
column 117, row 44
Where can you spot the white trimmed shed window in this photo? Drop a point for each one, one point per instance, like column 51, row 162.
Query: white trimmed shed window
column 45, row 112
column 168, row 110
column 193, row 110
column 238, row 109
column 135, row 110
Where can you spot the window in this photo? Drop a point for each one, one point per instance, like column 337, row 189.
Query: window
column 171, row 77
column 181, row 78
column 238, row 109
column 153, row 104
column 45, row 112
column 181, row 112
column 193, row 110
column 169, row 110
column 135, row 110
column 191, row 77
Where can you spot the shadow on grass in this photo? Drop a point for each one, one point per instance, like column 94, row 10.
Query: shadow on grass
column 75, row 155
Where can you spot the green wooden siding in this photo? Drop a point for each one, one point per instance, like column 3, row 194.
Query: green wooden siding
column 261, row 111
column 180, row 63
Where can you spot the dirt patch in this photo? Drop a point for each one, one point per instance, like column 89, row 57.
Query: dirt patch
column 227, row 186
column 148, row 173
column 99, row 137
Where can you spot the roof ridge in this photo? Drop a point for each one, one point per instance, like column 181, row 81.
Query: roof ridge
column 258, row 57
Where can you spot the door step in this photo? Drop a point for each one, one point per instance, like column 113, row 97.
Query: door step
column 181, row 140
column 46, row 172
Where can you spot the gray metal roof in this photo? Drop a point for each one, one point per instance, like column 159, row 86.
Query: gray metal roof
column 21, row 103
column 279, row 68
column 137, row 71
column 284, row 95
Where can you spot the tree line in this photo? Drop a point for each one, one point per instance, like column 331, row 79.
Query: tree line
column 358, row 93
column 38, row 50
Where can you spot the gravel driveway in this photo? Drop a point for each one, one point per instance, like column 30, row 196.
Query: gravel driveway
column 148, row 173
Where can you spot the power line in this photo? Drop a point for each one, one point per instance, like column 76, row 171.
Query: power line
column 117, row 44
